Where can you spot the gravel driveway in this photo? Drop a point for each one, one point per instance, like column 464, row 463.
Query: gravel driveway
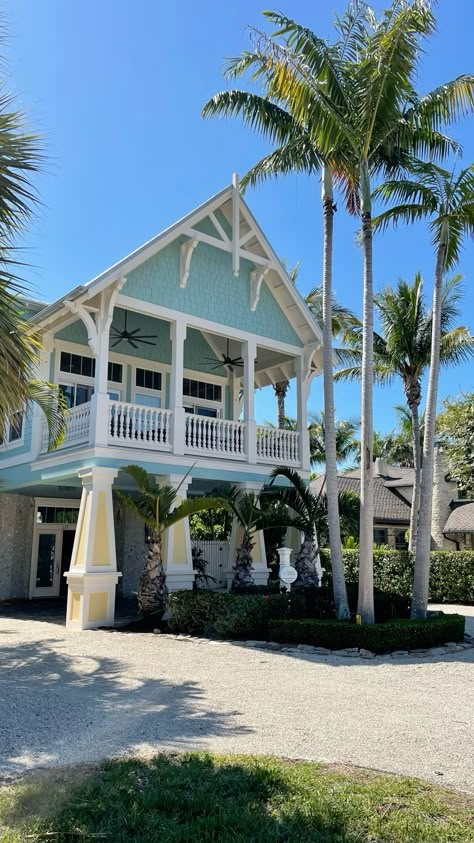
column 68, row 697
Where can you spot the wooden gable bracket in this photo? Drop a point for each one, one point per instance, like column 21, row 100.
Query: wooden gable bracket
column 185, row 254
column 308, row 371
column 256, row 279
column 104, row 314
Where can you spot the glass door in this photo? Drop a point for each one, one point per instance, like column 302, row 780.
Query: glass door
column 46, row 563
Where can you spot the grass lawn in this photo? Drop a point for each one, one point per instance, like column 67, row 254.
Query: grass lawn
column 203, row 797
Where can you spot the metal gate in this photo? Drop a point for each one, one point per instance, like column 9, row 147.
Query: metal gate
column 216, row 555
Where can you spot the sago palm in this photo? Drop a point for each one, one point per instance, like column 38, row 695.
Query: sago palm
column 447, row 200
column 368, row 115
column 156, row 507
column 403, row 350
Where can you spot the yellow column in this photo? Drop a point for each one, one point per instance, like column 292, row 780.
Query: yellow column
column 93, row 576
column 177, row 555
column 260, row 570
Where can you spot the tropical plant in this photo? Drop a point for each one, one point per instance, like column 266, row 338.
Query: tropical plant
column 403, row 350
column 346, row 443
column 247, row 513
column 296, row 151
column 20, row 159
column 308, row 513
column 455, row 426
column 447, row 199
column 156, row 507
column 352, row 108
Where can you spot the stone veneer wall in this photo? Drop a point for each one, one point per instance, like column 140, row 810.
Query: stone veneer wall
column 16, row 537
column 131, row 550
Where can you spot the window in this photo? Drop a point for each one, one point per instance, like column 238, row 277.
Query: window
column 13, row 430
column 202, row 389
column 148, row 379
column 76, row 393
column 77, row 364
column 380, row 536
column 211, row 412
column 57, row 515
column 400, row 540
column 115, row 372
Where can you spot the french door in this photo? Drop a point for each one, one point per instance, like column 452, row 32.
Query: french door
column 52, row 549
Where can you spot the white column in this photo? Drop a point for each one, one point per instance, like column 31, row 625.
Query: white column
column 235, row 403
column 249, row 353
column 177, row 555
column 302, row 392
column 99, row 423
column 260, row 570
column 177, row 336
column 43, row 374
column 93, row 576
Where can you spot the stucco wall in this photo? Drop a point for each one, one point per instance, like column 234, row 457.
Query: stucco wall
column 16, row 536
column 443, row 493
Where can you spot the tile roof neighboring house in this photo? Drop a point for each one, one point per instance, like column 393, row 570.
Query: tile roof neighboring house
column 461, row 519
column 389, row 507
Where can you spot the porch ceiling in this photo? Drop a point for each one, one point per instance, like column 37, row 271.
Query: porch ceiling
column 271, row 365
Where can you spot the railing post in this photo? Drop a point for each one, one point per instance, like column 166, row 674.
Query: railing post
column 249, row 354
column 177, row 336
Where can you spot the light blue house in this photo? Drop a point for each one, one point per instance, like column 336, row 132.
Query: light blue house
column 159, row 358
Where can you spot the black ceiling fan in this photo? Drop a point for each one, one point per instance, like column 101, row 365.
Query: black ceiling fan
column 227, row 360
column 134, row 337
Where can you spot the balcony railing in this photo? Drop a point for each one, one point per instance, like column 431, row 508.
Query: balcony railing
column 139, row 427
column 136, row 426
column 77, row 427
column 214, row 437
column 277, row 446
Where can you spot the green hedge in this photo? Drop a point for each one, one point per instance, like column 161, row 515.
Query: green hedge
column 451, row 574
column 380, row 638
column 229, row 615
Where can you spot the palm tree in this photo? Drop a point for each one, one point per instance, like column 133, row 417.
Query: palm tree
column 311, row 519
column 346, row 444
column 297, row 151
column 156, row 507
column 447, row 199
column 354, row 109
column 20, row 159
column 246, row 511
column 403, row 350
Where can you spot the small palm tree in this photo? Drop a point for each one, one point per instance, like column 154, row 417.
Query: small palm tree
column 245, row 509
column 447, row 200
column 156, row 507
column 310, row 518
column 403, row 350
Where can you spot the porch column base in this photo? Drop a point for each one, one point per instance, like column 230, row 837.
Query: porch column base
column 90, row 599
column 177, row 580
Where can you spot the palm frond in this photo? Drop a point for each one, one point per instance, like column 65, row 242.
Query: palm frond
column 51, row 401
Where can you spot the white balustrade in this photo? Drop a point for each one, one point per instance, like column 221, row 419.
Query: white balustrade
column 214, row 437
column 278, row 446
column 137, row 426
column 77, row 427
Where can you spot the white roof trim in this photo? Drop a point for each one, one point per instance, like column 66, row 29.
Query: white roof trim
column 151, row 247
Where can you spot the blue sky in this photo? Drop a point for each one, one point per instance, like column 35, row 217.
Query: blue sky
column 116, row 88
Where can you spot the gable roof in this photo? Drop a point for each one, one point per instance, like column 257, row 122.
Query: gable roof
column 250, row 244
column 461, row 519
column 388, row 505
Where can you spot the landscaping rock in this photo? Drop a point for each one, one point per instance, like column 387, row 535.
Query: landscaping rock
column 323, row 651
column 397, row 653
column 256, row 644
column 438, row 651
column 306, row 648
column 273, row 645
column 366, row 654
column 157, row 632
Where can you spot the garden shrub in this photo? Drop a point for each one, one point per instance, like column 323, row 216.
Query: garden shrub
column 451, row 574
column 319, row 603
column 380, row 638
column 194, row 611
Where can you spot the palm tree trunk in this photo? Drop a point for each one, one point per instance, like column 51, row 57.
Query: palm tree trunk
column 152, row 589
column 421, row 576
column 338, row 579
column 306, row 564
column 415, row 504
column 281, row 389
column 243, row 563
column 365, row 606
